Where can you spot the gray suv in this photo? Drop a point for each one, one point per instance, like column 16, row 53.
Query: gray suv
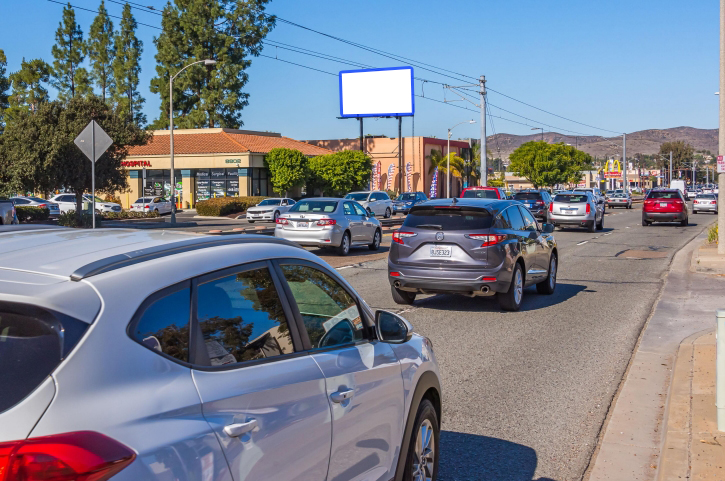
column 476, row 247
column 161, row 355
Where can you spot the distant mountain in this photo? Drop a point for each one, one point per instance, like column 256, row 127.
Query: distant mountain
column 643, row 142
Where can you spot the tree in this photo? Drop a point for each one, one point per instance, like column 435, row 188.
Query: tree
column 224, row 30
column 497, row 181
column 69, row 51
column 40, row 153
column 546, row 165
column 338, row 173
column 28, row 85
column 437, row 159
column 681, row 153
column 101, row 51
column 288, row 169
column 4, row 85
column 127, row 68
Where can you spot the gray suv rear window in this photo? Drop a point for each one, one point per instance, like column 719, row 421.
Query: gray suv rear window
column 33, row 342
column 447, row 218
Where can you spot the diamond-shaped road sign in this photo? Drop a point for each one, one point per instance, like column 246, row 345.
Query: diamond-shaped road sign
column 93, row 134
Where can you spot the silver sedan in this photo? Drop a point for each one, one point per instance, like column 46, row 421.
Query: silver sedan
column 704, row 203
column 330, row 222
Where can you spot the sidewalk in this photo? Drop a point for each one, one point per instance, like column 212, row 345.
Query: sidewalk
column 632, row 438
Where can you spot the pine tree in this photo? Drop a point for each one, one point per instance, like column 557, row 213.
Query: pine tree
column 4, row 85
column 227, row 31
column 69, row 51
column 126, row 69
column 101, row 51
column 28, row 85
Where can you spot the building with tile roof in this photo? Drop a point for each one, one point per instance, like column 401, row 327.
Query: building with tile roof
column 208, row 163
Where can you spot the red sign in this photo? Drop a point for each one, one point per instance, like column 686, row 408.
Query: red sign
column 612, row 174
column 720, row 164
column 135, row 163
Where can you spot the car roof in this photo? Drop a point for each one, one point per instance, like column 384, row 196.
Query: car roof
column 492, row 205
column 324, row 198
column 81, row 253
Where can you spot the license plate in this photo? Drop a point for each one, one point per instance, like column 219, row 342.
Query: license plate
column 302, row 224
column 438, row 251
column 663, row 204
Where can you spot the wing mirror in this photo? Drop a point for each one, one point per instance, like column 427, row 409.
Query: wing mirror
column 392, row 328
column 371, row 213
column 548, row 228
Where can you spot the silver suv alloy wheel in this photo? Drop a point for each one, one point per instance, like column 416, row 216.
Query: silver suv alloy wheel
column 424, row 460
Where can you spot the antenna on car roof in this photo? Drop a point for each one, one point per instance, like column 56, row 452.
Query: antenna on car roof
column 455, row 200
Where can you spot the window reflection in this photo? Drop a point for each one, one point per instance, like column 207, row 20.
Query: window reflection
column 164, row 325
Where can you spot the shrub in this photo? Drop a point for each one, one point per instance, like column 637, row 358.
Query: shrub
column 127, row 214
column 111, row 198
column 69, row 220
column 28, row 213
column 712, row 234
column 222, row 206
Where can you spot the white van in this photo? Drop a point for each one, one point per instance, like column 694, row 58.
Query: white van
column 680, row 185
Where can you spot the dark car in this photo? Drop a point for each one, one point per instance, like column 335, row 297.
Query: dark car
column 537, row 201
column 407, row 200
column 475, row 247
column 665, row 205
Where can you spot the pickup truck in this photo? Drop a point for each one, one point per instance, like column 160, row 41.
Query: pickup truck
column 7, row 213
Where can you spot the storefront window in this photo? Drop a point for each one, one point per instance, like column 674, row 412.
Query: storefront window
column 203, row 191
column 233, row 182
column 258, row 182
column 218, row 183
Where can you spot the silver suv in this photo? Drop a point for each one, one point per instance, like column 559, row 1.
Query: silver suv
column 162, row 356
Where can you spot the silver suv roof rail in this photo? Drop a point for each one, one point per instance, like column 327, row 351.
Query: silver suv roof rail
column 142, row 255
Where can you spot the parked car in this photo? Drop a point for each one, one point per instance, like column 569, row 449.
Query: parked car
column 479, row 192
column 665, row 205
column 269, row 209
column 329, row 222
column 620, row 200
column 597, row 194
column 53, row 209
column 705, row 203
column 577, row 208
column 67, row 202
column 152, row 204
column 7, row 212
column 377, row 202
column 537, row 201
column 237, row 357
column 407, row 200
column 476, row 247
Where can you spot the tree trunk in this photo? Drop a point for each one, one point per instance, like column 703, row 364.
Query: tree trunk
column 79, row 206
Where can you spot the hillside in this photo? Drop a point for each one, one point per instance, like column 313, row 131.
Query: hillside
column 643, row 142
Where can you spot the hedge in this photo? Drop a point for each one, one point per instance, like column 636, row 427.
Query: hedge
column 129, row 214
column 69, row 219
column 221, row 206
column 28, row 213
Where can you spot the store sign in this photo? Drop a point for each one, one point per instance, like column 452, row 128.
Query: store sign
column 612, row 175
column 243, row 172
column 135, row 163
column 218, row 173
column 233, row 161
column 720, row 164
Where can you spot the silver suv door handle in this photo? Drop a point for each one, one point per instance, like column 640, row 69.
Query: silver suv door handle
column 237, row 429
column 340, row 396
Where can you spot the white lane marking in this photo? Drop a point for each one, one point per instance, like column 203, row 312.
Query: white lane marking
column 608, row 233
column 583, row 242
column 627, row 227
column 344, row 267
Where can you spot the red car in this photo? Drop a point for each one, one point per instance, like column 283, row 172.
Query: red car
column 665, row 205
column 483, row 193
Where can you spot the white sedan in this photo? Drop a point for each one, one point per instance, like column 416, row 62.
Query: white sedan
column 152, row 204
column 269, row 209
column 67, row 202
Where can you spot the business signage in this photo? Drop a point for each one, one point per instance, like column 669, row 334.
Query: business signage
column 720, row 164
column 218, row 173
column 233, row 161
column 135, row 163
column 378, row 92
column 612, row 175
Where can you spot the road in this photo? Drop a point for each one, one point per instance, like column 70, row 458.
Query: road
column 526, row 393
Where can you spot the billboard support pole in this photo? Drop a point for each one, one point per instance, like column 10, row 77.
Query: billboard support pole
column 361, row 134
column 400, row 154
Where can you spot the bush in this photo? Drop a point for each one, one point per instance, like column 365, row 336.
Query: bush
column 222, row 206
column 127, row 214
column 28, row 213
column 69, row 220
column 712, row 234
column 111, row 198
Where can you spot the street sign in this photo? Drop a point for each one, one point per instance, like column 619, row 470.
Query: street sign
column 93, row 142
column 720, row 164
column 93, row 134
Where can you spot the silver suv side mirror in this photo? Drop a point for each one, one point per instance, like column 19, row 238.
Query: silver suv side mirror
column 392, row 328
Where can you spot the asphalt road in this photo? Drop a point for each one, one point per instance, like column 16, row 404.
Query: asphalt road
column 526, row 393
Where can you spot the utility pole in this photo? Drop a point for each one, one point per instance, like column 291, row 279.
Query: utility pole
column 484, row 154
column 670, row 168
column 721, row 151
column 624, row 159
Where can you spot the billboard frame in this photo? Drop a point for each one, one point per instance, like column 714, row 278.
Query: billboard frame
column 381, row 114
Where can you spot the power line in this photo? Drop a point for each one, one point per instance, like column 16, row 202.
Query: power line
column 299, row 65
column 96, row 11
column 139, row 7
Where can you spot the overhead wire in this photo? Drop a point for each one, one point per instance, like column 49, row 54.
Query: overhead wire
column 96, row 11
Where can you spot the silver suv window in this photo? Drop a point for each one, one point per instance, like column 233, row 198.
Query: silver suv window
column 164, row 323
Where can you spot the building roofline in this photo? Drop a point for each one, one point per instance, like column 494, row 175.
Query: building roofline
column 216, row 131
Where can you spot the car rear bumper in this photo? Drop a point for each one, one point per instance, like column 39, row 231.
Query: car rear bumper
column 432, row 280
column 580, row 220
column 664, row 216
column 705, row 208
column 312, row 238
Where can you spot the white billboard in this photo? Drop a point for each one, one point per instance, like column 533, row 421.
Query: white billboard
column 379, row 92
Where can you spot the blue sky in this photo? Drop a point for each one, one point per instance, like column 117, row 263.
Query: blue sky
column 620, row 65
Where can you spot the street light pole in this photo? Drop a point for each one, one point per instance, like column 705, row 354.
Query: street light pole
column 171, row 134
column 721, row 151
column 542, row 131
column 448, row 156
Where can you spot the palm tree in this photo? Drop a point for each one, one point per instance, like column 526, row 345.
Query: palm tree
column 437, row 159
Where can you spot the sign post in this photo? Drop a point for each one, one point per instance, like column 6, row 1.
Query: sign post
column 93, row 142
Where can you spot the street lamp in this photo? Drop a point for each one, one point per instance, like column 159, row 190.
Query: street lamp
column 542, row 131
column 206, row 62
column 448, row 156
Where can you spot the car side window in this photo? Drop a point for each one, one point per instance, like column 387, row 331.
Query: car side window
column 241, row 318
column 529, row 221
column 20, row 201
column 359, row 210
column 290, row 202
column 329, row 313
column 384, row 196
column 503, row 221
column 348, row 209
column 517, row 222
column 164, row 325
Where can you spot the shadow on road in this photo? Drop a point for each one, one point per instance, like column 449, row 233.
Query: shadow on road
column 532, row 300
column 469, row 457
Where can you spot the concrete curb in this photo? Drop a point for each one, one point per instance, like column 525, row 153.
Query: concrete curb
column 701, row 266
